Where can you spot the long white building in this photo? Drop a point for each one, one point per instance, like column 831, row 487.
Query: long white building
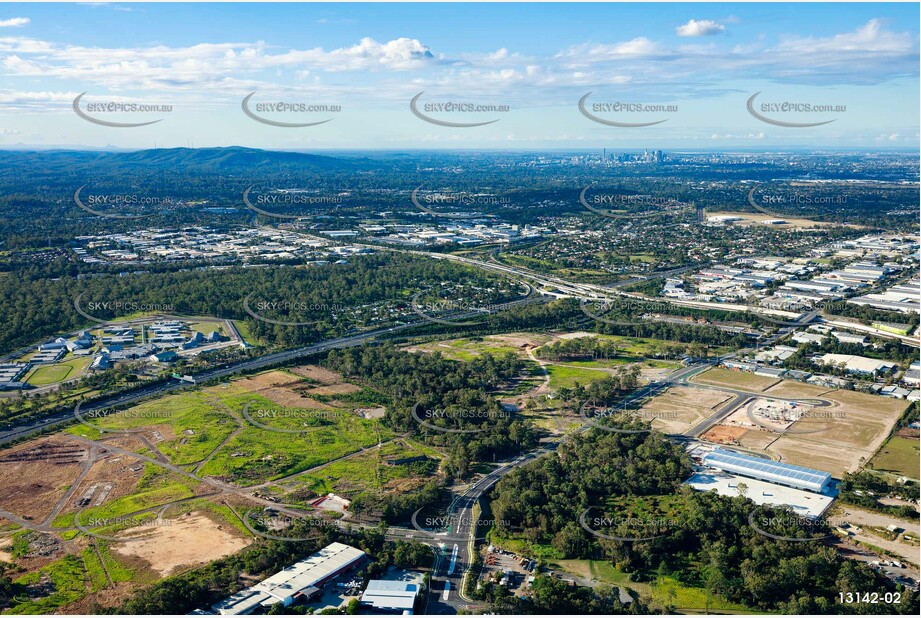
column 284, row 586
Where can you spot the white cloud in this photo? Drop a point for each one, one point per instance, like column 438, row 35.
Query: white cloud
column 14, row 22
column 700, row 27
column 871, row 37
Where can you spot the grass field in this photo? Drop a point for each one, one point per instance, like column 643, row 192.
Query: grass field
column 719, row 376
column 245, row 332
column 201, row 423
column 187, row 411
column 370, row 472
column 58, row 372
column 68, row 585
column 898, row 455
column 48, row 374
column 562, row 376
column 467, row 349
column 206, row 327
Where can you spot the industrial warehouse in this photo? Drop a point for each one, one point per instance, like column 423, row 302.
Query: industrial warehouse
column 298, row 582
column 808, row 492
column 789, row 475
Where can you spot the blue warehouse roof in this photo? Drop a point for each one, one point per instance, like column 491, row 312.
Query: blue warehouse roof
column 783, row 473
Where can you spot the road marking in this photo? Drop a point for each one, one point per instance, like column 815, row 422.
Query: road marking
column 453, row 560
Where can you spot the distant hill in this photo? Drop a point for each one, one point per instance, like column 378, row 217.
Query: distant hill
column 233, row 158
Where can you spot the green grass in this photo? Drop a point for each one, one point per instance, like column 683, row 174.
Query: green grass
column 258, row 454
column 366, row 472
column 48, row 374
column 898, row 455
column 566, row 377
column 136, row 502
column 206, row 327
column 245, row 332
column 58, row 372
column 188, row 410
column 670, row 591
column 523, row 547
column 664, row 592
column 646, row 258
column 117, row 571
column 467, row 349
column 607, row 363
column 67, row 577
column 94, row 570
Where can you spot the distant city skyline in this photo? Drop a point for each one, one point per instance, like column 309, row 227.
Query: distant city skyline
column 728, row 76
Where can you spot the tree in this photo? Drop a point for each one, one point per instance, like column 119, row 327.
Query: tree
column 742, row 489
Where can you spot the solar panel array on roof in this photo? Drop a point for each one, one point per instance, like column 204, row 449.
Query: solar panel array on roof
column 782, row 473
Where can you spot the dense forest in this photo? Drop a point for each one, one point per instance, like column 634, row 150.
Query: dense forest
column 707, row 543
column 336, row 298
column 556, row 597
column 464, row 417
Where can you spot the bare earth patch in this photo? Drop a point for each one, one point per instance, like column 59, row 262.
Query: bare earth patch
column 313, row 372
column 188, row 541
column 576, row 335
column 519, row 340
column 680, row 408
column 292, row 399
column 333, row 389
column 721, row 434
column 36, row 475
column 266, row 380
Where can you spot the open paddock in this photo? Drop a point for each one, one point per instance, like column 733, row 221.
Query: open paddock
column 681, row 407
column 729, row 378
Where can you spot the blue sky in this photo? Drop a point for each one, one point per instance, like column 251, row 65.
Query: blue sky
column 697, row 63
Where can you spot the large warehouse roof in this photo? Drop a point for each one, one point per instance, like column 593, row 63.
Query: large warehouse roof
column 775, row 472
column 281, row 587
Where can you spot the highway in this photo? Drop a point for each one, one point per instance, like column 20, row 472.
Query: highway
column 18, row 431
column 555, row 286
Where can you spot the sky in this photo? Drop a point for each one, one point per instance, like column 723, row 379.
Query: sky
column 687, row 72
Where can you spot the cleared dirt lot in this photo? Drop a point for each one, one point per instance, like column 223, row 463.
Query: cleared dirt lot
column 313, row 372
column 865, row 519
column 721, row 434
column 333, row 389
column 266, row 380
column 680, row 407
column 836, row 438
column 35, row 476
column 187, row 541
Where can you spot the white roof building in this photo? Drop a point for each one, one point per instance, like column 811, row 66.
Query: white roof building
column 855, row 364
column 390, row 596
column 312, row 571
